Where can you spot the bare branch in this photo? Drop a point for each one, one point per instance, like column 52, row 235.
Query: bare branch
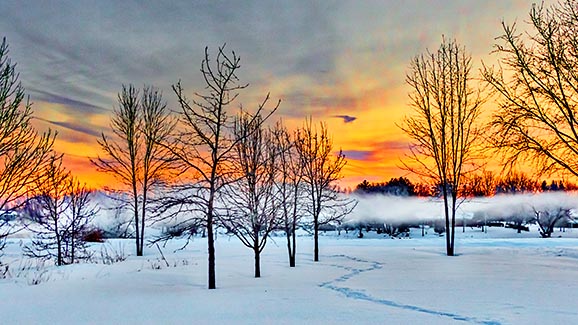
column 538, row 90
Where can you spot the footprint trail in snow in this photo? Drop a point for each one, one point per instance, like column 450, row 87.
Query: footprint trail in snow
column 338, row 286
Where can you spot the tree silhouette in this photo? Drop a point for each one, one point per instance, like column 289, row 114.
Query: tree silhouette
column 442, row 128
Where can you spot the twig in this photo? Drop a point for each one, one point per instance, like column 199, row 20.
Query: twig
column 162, row 255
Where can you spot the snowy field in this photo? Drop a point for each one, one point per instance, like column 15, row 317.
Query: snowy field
column 497, row 278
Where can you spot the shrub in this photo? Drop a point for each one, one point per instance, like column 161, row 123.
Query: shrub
column 94, row 235
column 439, row 227
column 397, row 230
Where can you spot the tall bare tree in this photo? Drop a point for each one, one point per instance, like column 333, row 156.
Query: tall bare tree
column 443, row 125
column 206, row 143
column 538, row 90
column 23, row 152
column 158, row 163
column 135, row 154
column 251, row 205
column 321, row 170
column 289, row 185
column 122, row 157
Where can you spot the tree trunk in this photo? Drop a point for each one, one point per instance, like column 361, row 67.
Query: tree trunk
column 211, row 244
column 257, row 262
column 142, row 235
column 142, row 218
column 257, row 252
column 449, row 250
column 292, row 257
column 316, row 239
column 453, row 226
column 137, row 228
column 59, row 253
column 58, row 241
column 289, row 247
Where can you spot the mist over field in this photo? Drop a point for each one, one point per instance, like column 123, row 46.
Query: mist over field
column 396, row 209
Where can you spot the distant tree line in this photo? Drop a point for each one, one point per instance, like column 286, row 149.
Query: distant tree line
column 396, row 186
column 484, row 184
column 488, row 184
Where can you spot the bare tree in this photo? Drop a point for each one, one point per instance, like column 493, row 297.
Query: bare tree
column 46, row 210
column 121, row 151
column 442, row 128
column 321, row 171
column 488, row 183
column 549, row 218
column 538, row 89
column 289, row 184
column 206, row 143
column 60, row 213
column 251, row 206
column 135, row 154
column 23, row 152
column 158, row 163
column 481, row 184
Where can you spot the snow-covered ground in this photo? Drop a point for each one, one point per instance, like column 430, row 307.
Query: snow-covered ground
column 497, row 278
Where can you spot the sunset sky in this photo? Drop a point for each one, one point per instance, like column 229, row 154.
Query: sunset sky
column 343, row 62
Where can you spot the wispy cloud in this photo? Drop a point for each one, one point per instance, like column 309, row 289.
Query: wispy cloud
column 88, row 130
column 377, row 151
column 346, row 118
column 77, row 105
column 357, row 154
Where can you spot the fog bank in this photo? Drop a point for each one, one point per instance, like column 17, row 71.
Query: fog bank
column 395, row 209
